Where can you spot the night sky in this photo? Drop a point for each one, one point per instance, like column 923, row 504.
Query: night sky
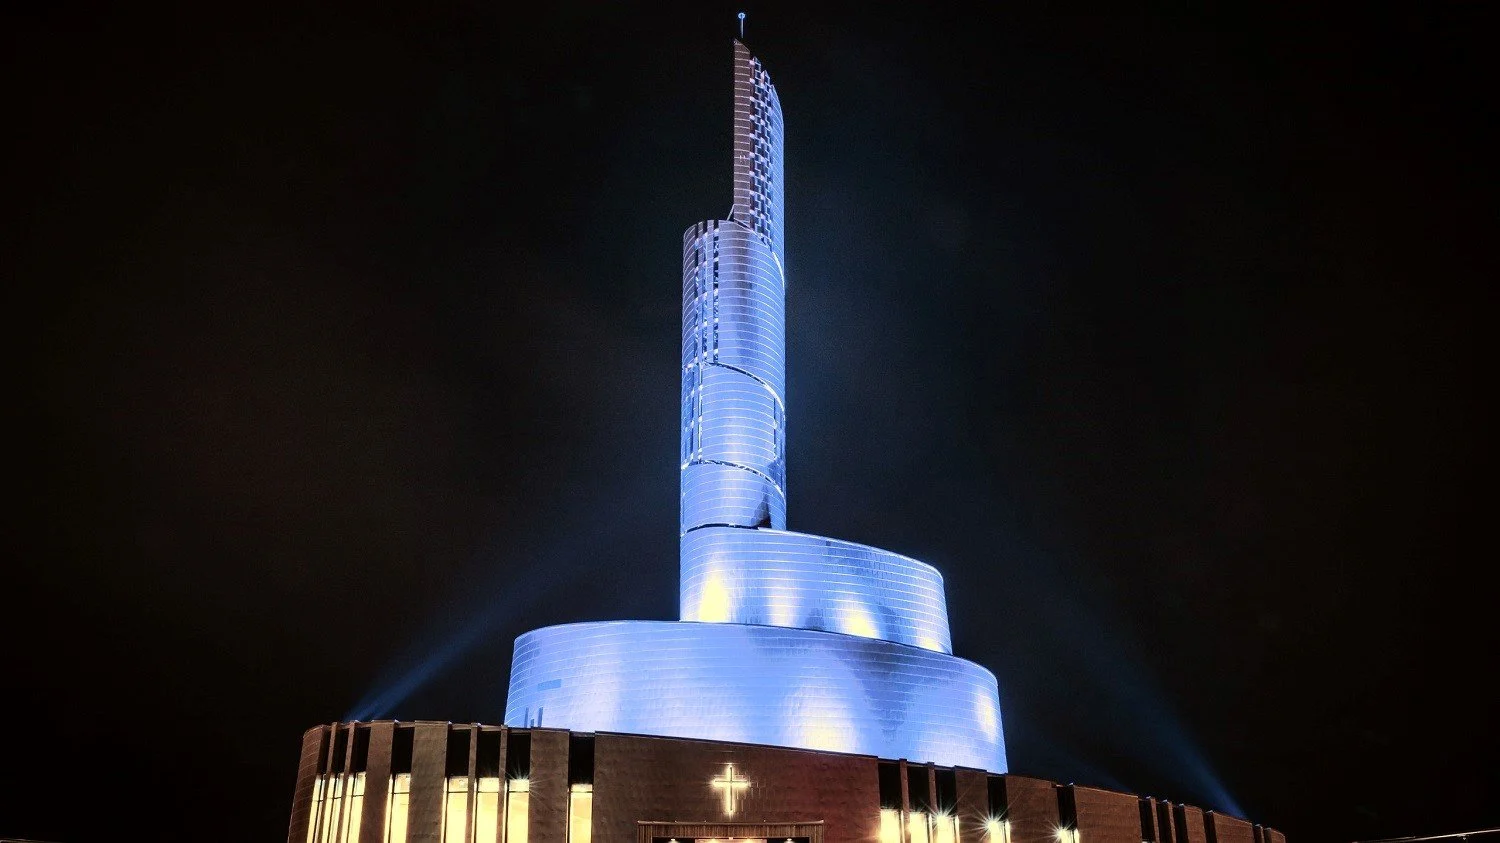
column 348, row 345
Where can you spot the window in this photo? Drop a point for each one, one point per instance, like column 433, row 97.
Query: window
column 517, row 810
column 354, row 813
column 890, row 825
column 456, row 810
column 317, row 804
column 917, row 829
column 580, row 813
column 487, row 810
column 945, row 829
column 397, row 806
column 335, row 790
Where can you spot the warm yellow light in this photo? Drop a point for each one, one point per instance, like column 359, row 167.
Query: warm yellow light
column 731, row 787
column 356, row 808
column 917, row 827
column 581, row 813
column 398, row 807
column 890, row 825
column 317, row 805
column 989, row 715
column 456, row 811
column 857, row 620
column 713, row 602
column 945, row 828
column 335, row 804
column 487, row 809
column 517, row 813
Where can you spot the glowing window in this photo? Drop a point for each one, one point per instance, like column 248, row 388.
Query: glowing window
column 581, row 813
column 331, row 811
column 355, row 812
column 456, row 810
column 917, row 829
column 397, row 806
column 317, row 805
column 945, row 829
column 517, row 810
column 890, row 825
column 487, row 810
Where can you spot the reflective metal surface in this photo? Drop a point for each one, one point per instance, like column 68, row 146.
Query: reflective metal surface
column 786, row 638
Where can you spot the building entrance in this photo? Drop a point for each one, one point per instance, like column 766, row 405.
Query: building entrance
column 722, row 840
column 658, row 832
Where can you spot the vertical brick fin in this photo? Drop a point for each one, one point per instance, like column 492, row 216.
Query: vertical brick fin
column 1166, row 825
column 973, row 806
column 377, row 782
column 1106, row 816
column 428, row 780
column 1190, row 825
column 308, row 766
column 549, row 786
column 1150, row 832
column 1031, row 807
column 1223, row 828
column 473, row 782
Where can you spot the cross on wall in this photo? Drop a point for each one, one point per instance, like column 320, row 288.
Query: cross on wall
column 731, row 786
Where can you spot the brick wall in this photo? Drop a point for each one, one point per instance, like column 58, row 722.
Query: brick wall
column 640, row 779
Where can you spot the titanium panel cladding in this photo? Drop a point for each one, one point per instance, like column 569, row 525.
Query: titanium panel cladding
column 785, row 638
column 776, row 578
column 757, row 684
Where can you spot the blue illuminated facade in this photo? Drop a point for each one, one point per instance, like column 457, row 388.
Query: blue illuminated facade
column 785, row 638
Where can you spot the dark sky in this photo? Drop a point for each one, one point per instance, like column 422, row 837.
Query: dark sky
column 348, row 344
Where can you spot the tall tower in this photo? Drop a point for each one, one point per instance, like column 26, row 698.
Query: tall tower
column 734, row 330
column 785, row 638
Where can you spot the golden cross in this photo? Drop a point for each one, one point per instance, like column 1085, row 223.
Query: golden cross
column 730, row 785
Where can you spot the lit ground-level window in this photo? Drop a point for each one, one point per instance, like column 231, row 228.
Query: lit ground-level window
column 997, row 831
column 397, row 807
column 456, row 810
column 945, row 829
column 581, row 813
column 517, row 810
column 917, row 830
column 354, row 813
column 487, row 809
column 338, row 801
column 890, row 826
column 333, row 791
column 317, row 805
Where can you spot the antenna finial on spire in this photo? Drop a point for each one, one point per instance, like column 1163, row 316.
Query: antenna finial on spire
column 742, row 26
